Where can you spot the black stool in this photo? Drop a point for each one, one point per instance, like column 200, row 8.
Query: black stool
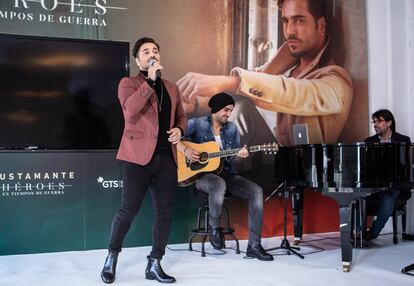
column 202, row 229
column 400, row 209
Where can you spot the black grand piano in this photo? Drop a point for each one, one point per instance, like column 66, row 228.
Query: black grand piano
column 347, row 172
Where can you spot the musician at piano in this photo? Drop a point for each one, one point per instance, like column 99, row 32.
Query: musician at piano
column 216, row 127
column 384, row 124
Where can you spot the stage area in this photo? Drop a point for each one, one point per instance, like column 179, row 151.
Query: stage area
column 379, row 265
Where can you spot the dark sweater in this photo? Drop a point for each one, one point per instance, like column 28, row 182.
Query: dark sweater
column 164, row 115
column 395, row 137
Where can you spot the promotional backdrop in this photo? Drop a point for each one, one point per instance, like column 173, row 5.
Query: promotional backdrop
column 74, row 212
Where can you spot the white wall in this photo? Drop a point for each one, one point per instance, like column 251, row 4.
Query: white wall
column 391, row 66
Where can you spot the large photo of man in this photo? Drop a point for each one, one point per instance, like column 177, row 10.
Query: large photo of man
column 301, row 82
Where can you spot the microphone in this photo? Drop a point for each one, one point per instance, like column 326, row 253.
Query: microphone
column 151, row 63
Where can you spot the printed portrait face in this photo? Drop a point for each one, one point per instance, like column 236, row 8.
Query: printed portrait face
column 304, row 34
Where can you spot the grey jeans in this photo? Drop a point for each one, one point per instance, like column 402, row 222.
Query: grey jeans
column 215, row 186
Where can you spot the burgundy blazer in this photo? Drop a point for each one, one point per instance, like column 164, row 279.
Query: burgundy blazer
column 139, row 106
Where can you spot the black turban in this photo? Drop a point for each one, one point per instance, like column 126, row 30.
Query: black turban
column 220, row 101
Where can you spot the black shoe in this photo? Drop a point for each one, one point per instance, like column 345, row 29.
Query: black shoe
column 367, row 241
column 216, row 237
column 257, row 251
column 108, row 271
column 369, row 235
column 155, row 272
column 406, row 236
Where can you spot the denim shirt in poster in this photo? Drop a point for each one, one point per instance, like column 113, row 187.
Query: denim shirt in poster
column 200, row 130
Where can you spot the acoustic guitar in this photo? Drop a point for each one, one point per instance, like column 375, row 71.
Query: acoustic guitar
column 210, row 154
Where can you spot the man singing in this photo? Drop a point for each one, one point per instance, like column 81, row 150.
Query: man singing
column 154, row 124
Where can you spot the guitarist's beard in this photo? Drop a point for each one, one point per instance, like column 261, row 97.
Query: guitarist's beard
column 223, row 120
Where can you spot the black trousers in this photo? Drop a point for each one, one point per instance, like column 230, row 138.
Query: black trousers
column 160, row 177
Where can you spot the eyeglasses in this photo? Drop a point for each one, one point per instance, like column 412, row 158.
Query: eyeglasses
column 377, row 121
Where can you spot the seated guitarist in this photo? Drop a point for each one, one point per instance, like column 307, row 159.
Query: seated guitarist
column 216, row 127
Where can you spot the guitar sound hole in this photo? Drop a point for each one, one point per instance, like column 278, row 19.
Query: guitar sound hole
column 203, row 157
column 201, row 164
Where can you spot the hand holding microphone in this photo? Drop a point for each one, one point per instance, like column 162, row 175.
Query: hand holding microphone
column 154, row 69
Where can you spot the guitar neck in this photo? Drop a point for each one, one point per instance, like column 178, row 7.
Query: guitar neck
column 232, row 152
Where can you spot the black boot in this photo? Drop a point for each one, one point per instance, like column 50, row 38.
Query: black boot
column 216, row 237
column 155, row 272
column 257, row 251
column 108, row 271
column 406, row 236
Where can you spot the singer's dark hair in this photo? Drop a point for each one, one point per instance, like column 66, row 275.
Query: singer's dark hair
column 386, row 115
column 142, row 41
